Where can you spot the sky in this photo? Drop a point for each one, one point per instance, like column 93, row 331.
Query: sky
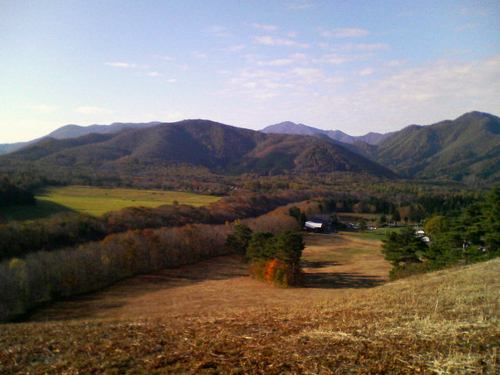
column 355, row 66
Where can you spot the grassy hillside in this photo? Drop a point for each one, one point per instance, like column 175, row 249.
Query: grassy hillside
column 97, row 201
column 441, row 323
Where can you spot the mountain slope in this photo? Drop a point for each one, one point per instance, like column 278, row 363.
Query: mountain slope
column 289, row 127
column 221, row 148
column 74, row 131
column 464, row 149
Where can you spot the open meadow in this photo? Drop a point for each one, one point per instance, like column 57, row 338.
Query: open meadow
column 210, row 317
column 97, row 201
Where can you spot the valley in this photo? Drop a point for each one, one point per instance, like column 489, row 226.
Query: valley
column 333, row 264
column 445, row 322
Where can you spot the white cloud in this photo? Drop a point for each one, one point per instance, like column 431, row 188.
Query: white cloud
column 345, row 33
column 396, row 63
column 295, row 58
column 271, row 41
column 220, row 31
column 234, row 48
column 121, row 65
column 171, row 80
column 366, row 72
column 335, row 59
column 424, row 95
column 199, row 55
column 89, row 110
column 299, row 5
column 279, row 62
column 45, row 108
column 154, row 74
column 265, row 27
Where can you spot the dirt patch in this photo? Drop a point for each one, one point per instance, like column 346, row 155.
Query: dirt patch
column 332, row 263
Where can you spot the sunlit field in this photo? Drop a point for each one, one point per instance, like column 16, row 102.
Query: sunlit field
column 97, row 201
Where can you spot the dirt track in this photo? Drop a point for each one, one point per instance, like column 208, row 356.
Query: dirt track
column 332, row 263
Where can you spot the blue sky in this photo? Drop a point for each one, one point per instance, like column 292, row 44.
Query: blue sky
column 355, row 66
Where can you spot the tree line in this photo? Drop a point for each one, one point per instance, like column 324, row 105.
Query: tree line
column 45, row 276
column 471, row 236
column 70, row 229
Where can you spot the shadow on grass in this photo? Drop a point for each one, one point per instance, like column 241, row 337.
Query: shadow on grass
column 340, row 280
column 42, row 209
column 88, row 306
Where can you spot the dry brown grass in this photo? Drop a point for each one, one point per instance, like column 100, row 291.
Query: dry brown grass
column 223, row 322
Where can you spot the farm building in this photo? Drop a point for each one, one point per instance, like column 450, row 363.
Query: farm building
column 314, row 226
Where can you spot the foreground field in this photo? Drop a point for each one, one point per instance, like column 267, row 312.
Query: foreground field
column 211, row 318
column 96, row 201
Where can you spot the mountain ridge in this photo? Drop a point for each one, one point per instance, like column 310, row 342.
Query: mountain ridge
column 221, row 148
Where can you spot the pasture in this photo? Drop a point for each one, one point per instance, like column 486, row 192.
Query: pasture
column 210, row 318
column 97, row 201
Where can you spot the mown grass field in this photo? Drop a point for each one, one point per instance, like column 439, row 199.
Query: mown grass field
column 209, row 318
column 96, row 201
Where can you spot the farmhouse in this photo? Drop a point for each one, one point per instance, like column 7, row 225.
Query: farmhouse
column 314, row 226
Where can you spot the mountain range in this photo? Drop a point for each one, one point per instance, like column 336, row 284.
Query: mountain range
column 289, row 127
column 73, row 131
column 466, row 149
column 223, row 149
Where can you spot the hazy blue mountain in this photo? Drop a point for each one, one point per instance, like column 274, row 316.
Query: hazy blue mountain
column 289, row 127
column 73, row 131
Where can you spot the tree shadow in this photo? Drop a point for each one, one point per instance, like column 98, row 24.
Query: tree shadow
column 317, row 264
column 340, row 280
column 121, row 293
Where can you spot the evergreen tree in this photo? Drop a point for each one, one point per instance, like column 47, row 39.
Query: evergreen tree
column 240, row 238
column 261, row 247
column 403, row 248
column 288, row 247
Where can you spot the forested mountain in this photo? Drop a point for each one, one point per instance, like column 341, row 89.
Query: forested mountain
column 289, row 127
column 73, row 131
column 466, row 149
column 221, row 148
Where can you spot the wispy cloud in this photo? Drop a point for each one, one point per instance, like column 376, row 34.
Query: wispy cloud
column 299, row 5
column 154, row 74
column 234, row 48
column 293, row 59
column 367, row 47
column 89, row 110
column 271, row 41
column 220, row 31
column 45, row 108
column 345, row 33
column 121, row 65
column 264, row 27
column 199, row 55
column 396, row 63
column 335, row 59
column 366, row 72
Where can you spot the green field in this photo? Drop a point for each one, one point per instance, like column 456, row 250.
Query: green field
column 97, row 201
